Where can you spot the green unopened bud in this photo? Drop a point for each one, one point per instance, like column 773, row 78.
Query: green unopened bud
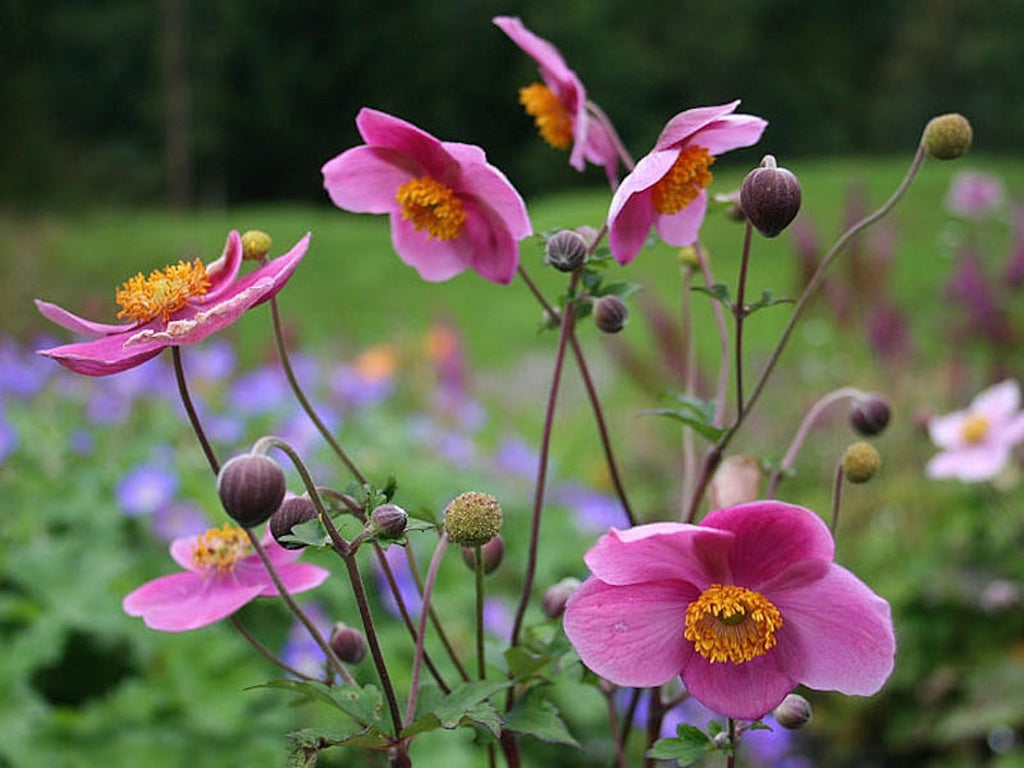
column 688, row 257
column 292, row 512
column 947, row 137
column 472, row 519
column 794, row 712
column 611, row 314
column 255, row 245
column 554, row 600
column 492, row 553
column 389, row 521
column 251, row 487
column 566, row 250
column 348, row 643
column 861, row 462
column 770, row 197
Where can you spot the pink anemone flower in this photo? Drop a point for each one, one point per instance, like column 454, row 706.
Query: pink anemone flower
column 181, row 304
column 667, row 188
column 450, row 209
column 559, row 105
column 977, row 443
column 222, row 573
column 744, row 607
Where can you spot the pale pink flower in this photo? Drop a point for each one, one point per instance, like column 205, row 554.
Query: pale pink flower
column 667, row 188
column 450, row 209
column 976, row 443
column 179, row 305
column 559, row 106
column 744, row 607
column 973, row 194
column 222, row 573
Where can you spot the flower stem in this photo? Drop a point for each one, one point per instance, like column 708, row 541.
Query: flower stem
column 193, row 417
column 690, row 385
column 613, row 728
column 267, row 653
column 730, row 760
column 837, row 497
column 478, row 567
column 739, row 310
column 723, row 337
column 620, row 148
column 428, row 589
column 627, row 721
column 434, row 619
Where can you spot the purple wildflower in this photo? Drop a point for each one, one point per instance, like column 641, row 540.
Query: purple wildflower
column 300, row 650
column 145, row 489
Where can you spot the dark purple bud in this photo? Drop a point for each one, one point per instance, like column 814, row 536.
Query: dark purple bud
column 869, row 415
column 348, row 643
column 292, row 512
column 492, row 552
column 251, row 487
column 566, row 250
column 389, row 520
column 770, row 197
column 611, row 314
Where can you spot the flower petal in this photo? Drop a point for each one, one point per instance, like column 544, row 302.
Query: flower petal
column 970, row 464
column 686, row 123
column 631, row 635
column 682, row 228
column 494, row 251
column 184, row 601
column 224, row 270
column 730, row 132
column 366, row 179
column 103, row 356
column 1009, row 432
column 77, row 324
column 490, row 188
column 998, row 402
column 435, row 260
column 380, row 129
column 661, row 551
column 629, row 224
column 947, row 431
column 744, row 691
column 297, row 577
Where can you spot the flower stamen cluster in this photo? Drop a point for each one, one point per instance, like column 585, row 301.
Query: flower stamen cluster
column 730, row 623
column 432, row 206
column 686, row 179
column 163, row 293
column 220, row 549
column 974, row 428
column 552, row 119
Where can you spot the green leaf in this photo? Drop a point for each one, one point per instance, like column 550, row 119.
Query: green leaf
column 687, row 747
column 310, row 533
column 766, row 301
column 523, row 665
column 466, row 703
column 699, row 426
column 534, row 715
column 361, row 704
column 621, row 288
column 719, row 292
column 319, row 738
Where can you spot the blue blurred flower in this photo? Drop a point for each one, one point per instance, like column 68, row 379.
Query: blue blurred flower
column 8, row 438
column 498, row 617
column 81, row 441
column 595, row 511
column 259, row 391
column 146, row 489
column 516, row 456
column 399, row 565
column 176, row 520
column 300, row 649
column 212, row 361
column 21, row 374
column 368, row 380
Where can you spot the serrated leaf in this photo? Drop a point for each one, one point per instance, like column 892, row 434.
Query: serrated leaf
column 591, row 279
column 535, row 715
column 310, row 533
column 523, row 665
column 621, row 288
column 361, row 704
column 698, row 425
column 767, row 300
column 718, row 292
column 463, row 705
column 687, row 747
column 319, row 738
column 757, row 725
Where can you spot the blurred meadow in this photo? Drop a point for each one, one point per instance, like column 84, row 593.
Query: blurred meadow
column 443, row 385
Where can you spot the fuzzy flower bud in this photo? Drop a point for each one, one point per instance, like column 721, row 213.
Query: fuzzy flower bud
column 611, row 314
column 472, row 519
column 770, row 197
column 348, row 643
column 389, row 520
column 688, row 257
column 861, row 462
column 794, row 712
column 566, row 250
column 492, row 552
column 251, row 487
column 869, row 415
column 255, row 245
column 554, row 600
column 947, row 137
column 292, row 512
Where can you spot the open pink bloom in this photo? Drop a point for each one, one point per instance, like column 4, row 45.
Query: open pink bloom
column 450, row 209
column 668, row 186
column 222, row 573
column 744, row 606
column 181, row 304
column 974, row 195
column 559, row 106
column 976, row 443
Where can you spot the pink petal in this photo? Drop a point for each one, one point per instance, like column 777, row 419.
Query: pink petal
column 223, row 271
column 184, row 601
column 842, row 631
column 495, row 253
column 947, row 431
column 629, row 226
column 771, row 536
column 546, row 55
column 999, row 402
column 182, row 550
column 744, row 691
column 970, row 464
column 77, row 324
column 366, row 179
column 104, row 356
column 380, row 129
column 630, row 635
column 729, row 132
column 1010, row 432
column 435, row 260
column 660, row 552
column 682, row 228
column 685, row 124
column 297, row 577
column 490, row 188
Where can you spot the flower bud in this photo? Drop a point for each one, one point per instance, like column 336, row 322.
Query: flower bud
column 611, row 313
column 869, row 415
column 770, row 197
column 736, row 481
column 255, row 245
column 472, row 519
column 389, row 521
column 794, row 712
column 688, row 257
column 348, row 643
column 554, row 600
column 947, row 137
column 292, row 512
column 861, row 462
column 566, row 250
column 493, row 553
column 251, row 487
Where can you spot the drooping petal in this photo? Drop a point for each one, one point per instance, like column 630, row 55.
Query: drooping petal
column 224, row 270
column 435, row 260
column 729, row 132
column 744, row 691
column 999, row 402
column 630, row 225
column 771, row 536
column 103, row 356
column 631, row 635
column 184, row 601
column 494, row 252
column 841, row 631
column 77, row 324
column 686, row 123
column 682, row 228
column 380, row 129
column 366, row 179
column 659, row 552
column 548, row 59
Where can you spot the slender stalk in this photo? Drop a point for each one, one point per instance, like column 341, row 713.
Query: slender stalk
column 620, row 148
column 690, row 385
column 627, row 721
column 193, row 417
column 268, row 654
column 730, row 760
column 286, row 364
column 739, row 311
column 655, row 714
column 434, row 619
column 428, row 589
column 723, row 338
column 837, row 497
column 481, row 662
column 613, row 729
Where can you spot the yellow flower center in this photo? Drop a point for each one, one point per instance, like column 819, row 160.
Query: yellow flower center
column 729, row 623
column 220, row 549
column 432, row 206
column 163, row 293
column 686, row 178
column 552, row 118
column 974, row 428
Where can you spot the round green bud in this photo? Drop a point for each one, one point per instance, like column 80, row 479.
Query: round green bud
column 947, row 137
column 688, row 257
column 472, row 519
column 861, row 462
column 255, row 245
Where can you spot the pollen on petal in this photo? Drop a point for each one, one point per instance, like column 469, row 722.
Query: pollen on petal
column 163, row 293
column 432, row 206
column 219, row 549
column 730, row 623
column 548, row 112
column 683, row 182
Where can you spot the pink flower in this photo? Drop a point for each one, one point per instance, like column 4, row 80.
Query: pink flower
column 181, row 304
column 976, row 443
column 668, row 186
column 450, row 209
column 973, row 194
column 559, row 106
column 744, row 606
column 222, row 574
